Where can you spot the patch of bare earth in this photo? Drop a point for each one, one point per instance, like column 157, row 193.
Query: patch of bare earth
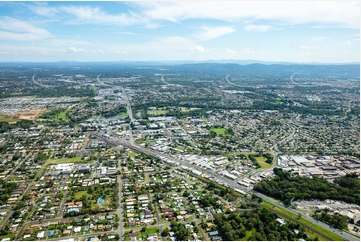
column 31, row 114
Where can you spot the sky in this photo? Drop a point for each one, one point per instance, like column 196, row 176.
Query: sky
column 291, row 31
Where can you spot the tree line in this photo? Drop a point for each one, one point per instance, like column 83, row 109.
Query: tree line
column 286, row 187
column 261, row 222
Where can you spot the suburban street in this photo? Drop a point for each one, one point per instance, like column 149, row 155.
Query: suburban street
column 222, row 180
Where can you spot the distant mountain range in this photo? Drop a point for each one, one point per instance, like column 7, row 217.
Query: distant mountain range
column 209, row 67
column 180, row 62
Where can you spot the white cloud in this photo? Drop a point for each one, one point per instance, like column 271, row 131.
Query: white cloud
column 66, row 42
column 3, row 53
column 123, row 52
column 128, row 33
column 213, row 33
column 177, row 43
column 19, row 30
column 99, row 51
column 257, row 28
column 319, row 38
column 75, row 50
column 304, row 48
column 199, row 48
column 247, row 51
column 347, row 43
column 340, row 13
column 86, row 14
column 230, row 51
column 44, row 10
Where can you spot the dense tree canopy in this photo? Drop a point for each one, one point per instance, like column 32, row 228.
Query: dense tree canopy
column 261, row 222
column 285, row 187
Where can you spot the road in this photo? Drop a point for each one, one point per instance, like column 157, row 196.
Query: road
column 27, row 224
column 160, row 227
column 162, row 79
column 307, row 217
column 120, row 209
column 61, row 210
column 130, row 114
column 301, row 85
column 17, row 167
column 39, row 84
column 13, row 210
column 222, row 180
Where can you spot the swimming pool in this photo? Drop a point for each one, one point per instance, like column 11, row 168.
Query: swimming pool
column 100, row 200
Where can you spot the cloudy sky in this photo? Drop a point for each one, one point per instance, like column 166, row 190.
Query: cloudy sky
column 297, row 31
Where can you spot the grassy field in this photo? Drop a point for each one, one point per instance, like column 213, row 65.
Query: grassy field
column 64, row 160
column 123, row 114
column 150, row 231
column 62, row 115
column 262, row 161
column 184, row 109
column 157, row 112
column 133, row 154
column 57, row 161
column 140, row 141
column 78, row 195
column 11, row 235
column 219, row 131
column 6, row 119
column 248, row 234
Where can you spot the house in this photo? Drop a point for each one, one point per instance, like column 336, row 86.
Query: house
column 213, row 233
column 40, row 235
column 152, row 237
column 134, row 234
column 83, row 168
column 281, row 221
column 216, row 238
column 77, row 229
column 50, row 233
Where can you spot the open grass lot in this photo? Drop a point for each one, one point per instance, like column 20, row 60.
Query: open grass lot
column 11, row 235
column 305, row 222
column 8, row 119
column 157, row 112
column 262, row 161
column 150, row 231
column 133, row 154
column 184, row 109
column 123, row 114
column 57, row 161
column 64, row 160
column 248, row 234
column 78, row 195
column 219, row 131
column 62, row 115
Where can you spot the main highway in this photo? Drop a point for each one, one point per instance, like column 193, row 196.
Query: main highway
column 174, row 161
column 218, row 178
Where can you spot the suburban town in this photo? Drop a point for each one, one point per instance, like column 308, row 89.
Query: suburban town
column 129, row 163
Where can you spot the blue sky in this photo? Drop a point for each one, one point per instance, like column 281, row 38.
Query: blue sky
column 295, row 31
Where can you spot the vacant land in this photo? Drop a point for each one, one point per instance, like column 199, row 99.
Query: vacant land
column 8, row 118
column 220, row 131
column 157, row 112
column 62, row 115
column 64, row 160
column 262, row 161
column 28, row 115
